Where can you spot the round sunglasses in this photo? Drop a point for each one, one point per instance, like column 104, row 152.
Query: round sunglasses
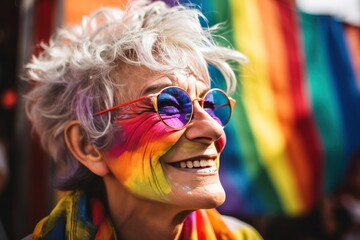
column 175, row 109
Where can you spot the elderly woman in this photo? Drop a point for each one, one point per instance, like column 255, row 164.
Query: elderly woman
column 123, row 103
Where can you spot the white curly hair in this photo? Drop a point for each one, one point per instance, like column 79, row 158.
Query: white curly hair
column 74, row 75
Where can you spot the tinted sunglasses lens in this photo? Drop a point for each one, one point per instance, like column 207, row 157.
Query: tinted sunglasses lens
column 174, row 107
column 217, row 105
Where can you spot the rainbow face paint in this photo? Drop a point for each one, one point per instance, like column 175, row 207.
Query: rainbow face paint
column 134, row 156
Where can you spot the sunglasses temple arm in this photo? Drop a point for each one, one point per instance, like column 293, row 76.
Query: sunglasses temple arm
column 231, row 101
column 120, row 105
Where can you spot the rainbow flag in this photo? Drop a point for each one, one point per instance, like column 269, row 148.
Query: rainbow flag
column 297, row 119
column 296, row 123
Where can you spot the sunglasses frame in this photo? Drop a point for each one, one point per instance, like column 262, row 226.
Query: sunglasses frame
column 154, row 99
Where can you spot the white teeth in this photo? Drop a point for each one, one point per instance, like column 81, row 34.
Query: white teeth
column 203, row 163
column 197, row 163
column 211, row 163
column 183, row 164
column 189, row 164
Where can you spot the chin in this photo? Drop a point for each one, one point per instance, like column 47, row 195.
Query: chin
column 205, row 199
column 215, row 200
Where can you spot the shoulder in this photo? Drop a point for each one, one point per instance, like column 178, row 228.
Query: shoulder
column 240, row 229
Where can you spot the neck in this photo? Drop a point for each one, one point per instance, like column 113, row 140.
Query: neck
column 137, row 218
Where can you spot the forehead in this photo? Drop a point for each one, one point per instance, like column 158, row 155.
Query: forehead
column 139, row 80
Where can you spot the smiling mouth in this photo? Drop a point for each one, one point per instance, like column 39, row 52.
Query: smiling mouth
column 195, row 164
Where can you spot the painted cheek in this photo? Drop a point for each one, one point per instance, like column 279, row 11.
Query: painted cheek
column 134, row 156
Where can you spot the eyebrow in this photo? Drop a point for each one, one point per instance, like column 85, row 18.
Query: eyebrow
column 156, row 88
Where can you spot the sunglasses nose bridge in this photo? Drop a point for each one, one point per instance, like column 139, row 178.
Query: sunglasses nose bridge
column 201, row 102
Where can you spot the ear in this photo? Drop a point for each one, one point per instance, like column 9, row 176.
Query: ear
column 85, row 152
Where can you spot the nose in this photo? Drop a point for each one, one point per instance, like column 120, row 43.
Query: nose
column 203, row 128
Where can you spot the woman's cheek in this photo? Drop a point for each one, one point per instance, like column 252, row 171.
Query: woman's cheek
column 134, row 156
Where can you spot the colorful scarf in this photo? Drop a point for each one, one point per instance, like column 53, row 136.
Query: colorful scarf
column 75, row 217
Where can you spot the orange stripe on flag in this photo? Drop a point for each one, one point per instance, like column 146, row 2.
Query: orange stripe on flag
column 75, row 10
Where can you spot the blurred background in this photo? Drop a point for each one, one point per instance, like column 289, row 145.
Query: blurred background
column 291, row 167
